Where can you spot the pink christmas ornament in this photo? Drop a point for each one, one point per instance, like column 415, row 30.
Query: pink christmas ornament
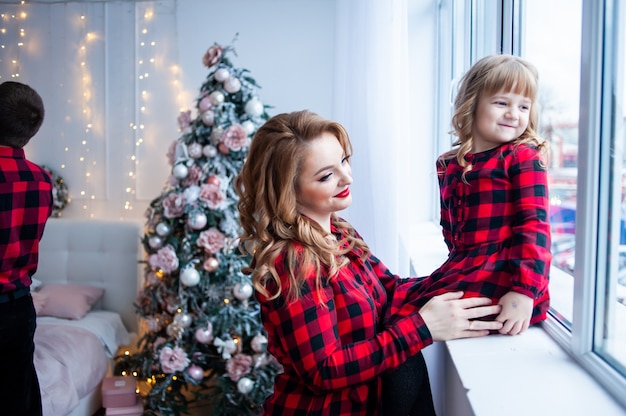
column 209, row 151
column 211, row 264
column 213, row 180
column 195, row 372
column 195, row 150
column 205, row 104
column 208, row 118
column 204, row 335
column 223, row 149
column 155, row 242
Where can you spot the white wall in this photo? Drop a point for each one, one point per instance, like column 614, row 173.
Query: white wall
column 114, row 76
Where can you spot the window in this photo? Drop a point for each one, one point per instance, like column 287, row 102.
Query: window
column 579, row 48
column 553, row 45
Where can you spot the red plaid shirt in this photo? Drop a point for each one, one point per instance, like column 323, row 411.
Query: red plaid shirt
column 25, row 205
column 496, row 227
column 333, row 356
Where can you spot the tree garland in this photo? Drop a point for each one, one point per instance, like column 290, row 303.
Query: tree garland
column 60, row 192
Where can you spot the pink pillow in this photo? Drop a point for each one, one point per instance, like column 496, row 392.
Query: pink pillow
column 68, row 301
column 38, row 300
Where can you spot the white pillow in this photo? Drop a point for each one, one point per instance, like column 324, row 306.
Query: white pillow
column 35, row 284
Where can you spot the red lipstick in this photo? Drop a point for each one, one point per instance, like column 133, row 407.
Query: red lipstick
column 343, row 193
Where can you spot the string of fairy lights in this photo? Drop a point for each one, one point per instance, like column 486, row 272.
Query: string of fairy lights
column 14, row 43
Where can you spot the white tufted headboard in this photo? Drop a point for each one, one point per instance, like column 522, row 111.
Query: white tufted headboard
column 96, row 253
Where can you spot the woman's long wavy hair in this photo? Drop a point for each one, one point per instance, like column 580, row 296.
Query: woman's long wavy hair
column 268, row 192
column 490, row 75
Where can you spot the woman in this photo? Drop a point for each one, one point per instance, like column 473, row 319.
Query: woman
column 336, row 317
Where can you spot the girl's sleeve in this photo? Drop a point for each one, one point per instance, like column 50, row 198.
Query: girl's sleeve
column 530, row 251
column 401, row 293
column 307, row 332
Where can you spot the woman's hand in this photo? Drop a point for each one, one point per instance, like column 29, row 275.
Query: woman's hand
column 448, row 316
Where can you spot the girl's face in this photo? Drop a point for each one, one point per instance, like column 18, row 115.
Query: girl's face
column 499, row 118
column 323, row 185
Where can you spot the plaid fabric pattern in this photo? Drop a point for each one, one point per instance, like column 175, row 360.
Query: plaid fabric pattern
column 333, row 356
column 25, row 205
column 496, row 227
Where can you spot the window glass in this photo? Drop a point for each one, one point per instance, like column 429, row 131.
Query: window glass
column 610, row 334
column 553, row 45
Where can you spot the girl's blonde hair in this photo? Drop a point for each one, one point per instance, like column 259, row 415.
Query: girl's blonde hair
column 268, row 189
column 490, row 75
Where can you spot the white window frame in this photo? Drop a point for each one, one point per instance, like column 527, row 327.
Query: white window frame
column 471, row 25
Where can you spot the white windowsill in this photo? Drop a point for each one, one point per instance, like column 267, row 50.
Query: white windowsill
column 500, row 375
column 526, row 375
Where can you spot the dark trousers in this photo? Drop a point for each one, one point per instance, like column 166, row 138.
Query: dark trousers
column 19, row 386
column 406, row 391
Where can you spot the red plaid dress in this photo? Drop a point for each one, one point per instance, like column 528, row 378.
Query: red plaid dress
column 496, row 227
column 333, row 356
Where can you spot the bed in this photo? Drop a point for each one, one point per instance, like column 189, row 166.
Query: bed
column 83, row 291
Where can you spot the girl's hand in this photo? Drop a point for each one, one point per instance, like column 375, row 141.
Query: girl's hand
column 516, row 312
column 448, row 316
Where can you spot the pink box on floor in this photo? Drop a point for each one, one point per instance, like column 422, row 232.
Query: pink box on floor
column 136, row 410
column 119, row 391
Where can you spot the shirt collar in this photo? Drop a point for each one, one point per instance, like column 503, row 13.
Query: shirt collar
column 11, row 152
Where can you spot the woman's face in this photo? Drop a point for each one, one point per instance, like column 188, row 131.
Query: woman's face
column 323, row 185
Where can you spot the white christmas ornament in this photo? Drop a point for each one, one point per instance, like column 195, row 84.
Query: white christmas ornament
column 248, row 126
column 254, row 107
column 180, row 171
column 217, row 98
column 245, row 385
column 197, row 220
column 163, row 229
column 216, row 135
column 184, row 320
column 232, row 85
column 209, row 151
column 221, row 75
column 242, row 291
column 190, row 276
column 258, row 343
column 155, row 242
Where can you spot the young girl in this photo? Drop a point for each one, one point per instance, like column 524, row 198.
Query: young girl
column 326, row 301
column 494, row 195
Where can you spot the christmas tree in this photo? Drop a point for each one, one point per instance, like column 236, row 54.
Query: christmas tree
column 203, row 336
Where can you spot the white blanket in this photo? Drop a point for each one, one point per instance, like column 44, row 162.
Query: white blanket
column 72, row 357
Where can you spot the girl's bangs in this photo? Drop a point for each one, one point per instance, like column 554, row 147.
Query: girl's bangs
column 512, row 78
